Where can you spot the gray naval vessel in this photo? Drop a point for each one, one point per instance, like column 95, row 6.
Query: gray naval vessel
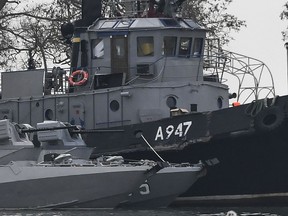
column 61, row 155
column 162, row 189
column 67, row 184
column 145, row 69
column 52, row 136
column 47, row 176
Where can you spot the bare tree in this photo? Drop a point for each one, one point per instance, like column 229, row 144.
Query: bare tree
column 8, row 47
column 35, row 28
column 2, row 3
column 212, row 15
column 284, row 16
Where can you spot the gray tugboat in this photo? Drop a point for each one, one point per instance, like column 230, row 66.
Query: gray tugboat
column 148, row 71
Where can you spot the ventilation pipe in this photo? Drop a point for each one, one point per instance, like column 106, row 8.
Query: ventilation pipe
column 91, row 10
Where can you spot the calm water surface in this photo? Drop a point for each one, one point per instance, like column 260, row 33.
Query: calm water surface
column 211, row 211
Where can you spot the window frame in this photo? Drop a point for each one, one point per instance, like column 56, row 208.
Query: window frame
column 187, row 53
column 94, row 43
column 148, row 46
column 174, row 49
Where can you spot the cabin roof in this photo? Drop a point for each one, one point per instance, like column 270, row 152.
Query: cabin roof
column 143, row 23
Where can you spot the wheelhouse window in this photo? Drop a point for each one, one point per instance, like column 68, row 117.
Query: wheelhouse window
column 197, row 47
column 185, row 46
column 145, row 46
column 169, row 46
column 98, row 48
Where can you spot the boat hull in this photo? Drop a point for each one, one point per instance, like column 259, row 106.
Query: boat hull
column 160, row 190
column 245, row 148
column 34, row 187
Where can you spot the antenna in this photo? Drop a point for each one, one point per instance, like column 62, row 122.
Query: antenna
column 286, row 46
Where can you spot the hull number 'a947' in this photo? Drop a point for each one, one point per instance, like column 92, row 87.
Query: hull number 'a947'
column 180, row 131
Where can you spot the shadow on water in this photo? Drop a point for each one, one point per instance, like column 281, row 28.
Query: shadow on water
column 193, row 211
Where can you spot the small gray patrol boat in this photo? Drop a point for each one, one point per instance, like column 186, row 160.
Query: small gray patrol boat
column 30, row 185
column 62, row 156
column 51, row 136
column 160, row 190
column 57, row 174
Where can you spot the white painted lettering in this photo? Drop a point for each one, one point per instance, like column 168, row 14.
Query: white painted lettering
column 169, row 131
column 159, row 134
column 144, row 189
column 181, row 130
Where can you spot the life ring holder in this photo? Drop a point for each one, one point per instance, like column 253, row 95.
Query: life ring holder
column 80, row 82
column 269, row 119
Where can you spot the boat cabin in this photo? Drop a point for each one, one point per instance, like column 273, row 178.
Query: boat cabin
column 117, row 52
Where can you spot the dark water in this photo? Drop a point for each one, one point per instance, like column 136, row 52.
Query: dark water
column 211, row 211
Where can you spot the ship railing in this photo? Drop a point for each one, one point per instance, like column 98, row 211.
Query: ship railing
column 56, row 81
column 127, row 8
column 140, row 8
column 248, row 77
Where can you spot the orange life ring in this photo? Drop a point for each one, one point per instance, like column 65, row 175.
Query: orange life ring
column 82, row 81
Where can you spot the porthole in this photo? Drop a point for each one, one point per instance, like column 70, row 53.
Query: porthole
column 37, row 104
column 171, row 102
column 114, row 105
column 220, row 102
column 48, row 114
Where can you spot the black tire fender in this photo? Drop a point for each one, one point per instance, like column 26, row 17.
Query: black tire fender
column 269, row 119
